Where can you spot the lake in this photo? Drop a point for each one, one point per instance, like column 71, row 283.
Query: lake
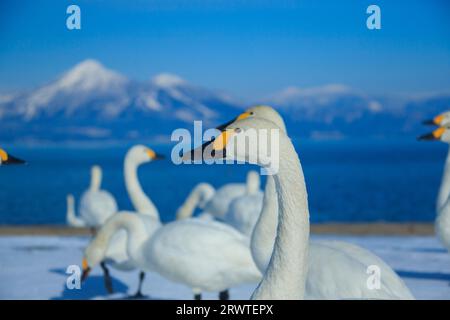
column 347, row 181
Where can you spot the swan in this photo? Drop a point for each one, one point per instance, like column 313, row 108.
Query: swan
column 96, row 205
column 7, row 159
column 71, row 219
column 199, row 196
column 329, row 270
column 204, row 255
column 220, row 202
column 116, row 248
column 442, row 222
column 242, row 200
column 244, row 211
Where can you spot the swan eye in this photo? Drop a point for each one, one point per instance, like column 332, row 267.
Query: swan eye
column 237, row 130
column 252, row 113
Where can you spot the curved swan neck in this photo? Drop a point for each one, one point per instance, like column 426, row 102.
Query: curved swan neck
column 71, row 218
column 202, row 193
column 141, row 202
column 264, row 232
column 444, row 190
column 136, row 234
column 285, row 276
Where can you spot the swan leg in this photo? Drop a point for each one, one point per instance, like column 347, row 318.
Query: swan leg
column 197, row 296
column 107, row 278
column 138, row 294
column 224, row 295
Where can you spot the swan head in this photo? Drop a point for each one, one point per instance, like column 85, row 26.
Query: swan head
column 7, row 159
column 442, row 120
column 251, row 140
column 441, row 133
column 261, row 111
column 140, row 154
column 93, row 255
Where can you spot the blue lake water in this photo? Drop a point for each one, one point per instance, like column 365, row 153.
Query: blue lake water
column 347, row 181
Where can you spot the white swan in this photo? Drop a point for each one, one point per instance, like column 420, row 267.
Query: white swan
column 96, row 205
column 220, row 202
column 71, row 219
column 336, row 270
column 199, row 197
column 442, row 222
column 7, row 159
column 243, row 208
column 243, row 212
column 115, row 253
column 203, row 255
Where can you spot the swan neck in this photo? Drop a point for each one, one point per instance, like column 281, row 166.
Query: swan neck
column 134, row 228
column 187, row 208
column 71, row 218
column 265, row 229
column 96, row 180
column 444, row 190
column 285, row 276
column 141, row 202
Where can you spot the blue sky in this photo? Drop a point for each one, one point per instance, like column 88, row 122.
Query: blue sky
column 246, row 48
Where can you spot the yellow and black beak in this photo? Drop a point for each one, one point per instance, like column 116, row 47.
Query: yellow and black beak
column 242, row 116
column 214, row 149
column 436, row 121
column 154, row 156
column 86, row 270
column 8, row 159
column 435, row 135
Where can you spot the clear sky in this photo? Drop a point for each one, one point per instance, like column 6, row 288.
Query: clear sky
column 246, row 48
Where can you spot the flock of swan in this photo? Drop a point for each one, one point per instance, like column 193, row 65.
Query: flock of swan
column 243, row 235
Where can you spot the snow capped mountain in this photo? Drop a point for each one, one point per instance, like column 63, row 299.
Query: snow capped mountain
column 90, row 101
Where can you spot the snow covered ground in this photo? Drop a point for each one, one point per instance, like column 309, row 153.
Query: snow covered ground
column 33, row 267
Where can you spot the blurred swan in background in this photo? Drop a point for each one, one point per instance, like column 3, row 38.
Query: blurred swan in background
column 96, row 205
column 334, row 270
column 243, row 212
column 442, row 222
column 218, row 205
column 71, row 219
column 199, row 197
column 116, row 248
column 7, row 159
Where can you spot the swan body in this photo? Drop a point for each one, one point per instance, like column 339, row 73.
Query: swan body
column 96, row 205
column 244, row 212
column 204, row 255
column 220, row 202
column 442, row 222
column 295, row 268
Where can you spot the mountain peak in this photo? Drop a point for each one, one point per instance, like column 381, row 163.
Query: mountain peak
column 167, row 80
column 88, row 74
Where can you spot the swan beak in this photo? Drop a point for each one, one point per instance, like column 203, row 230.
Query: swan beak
column 8, row 159
column 435, row 135
column 86, row 270
column 153, row 155
column 436, row 121
column 214, row 149
column 239, row 117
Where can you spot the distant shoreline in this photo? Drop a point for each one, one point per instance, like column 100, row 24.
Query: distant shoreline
column 391, row 229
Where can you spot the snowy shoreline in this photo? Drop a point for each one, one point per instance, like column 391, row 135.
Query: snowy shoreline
column 33, row 267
